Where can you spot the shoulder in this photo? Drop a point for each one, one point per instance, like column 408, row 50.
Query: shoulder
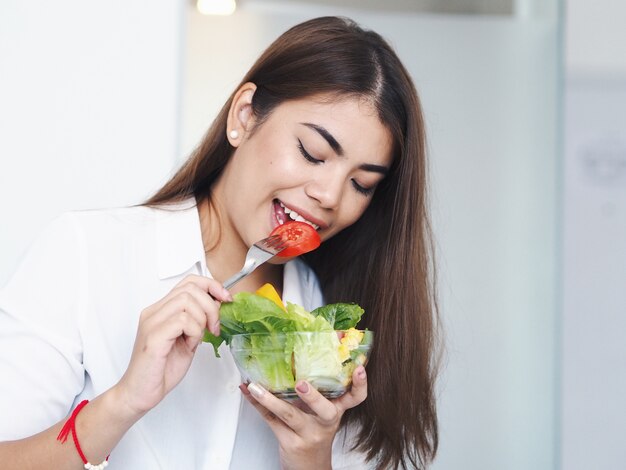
column 125, row 221
column 112, row 217
column 62, row 245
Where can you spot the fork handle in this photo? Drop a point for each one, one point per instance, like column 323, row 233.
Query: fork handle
column 231, row 281
column 247, row 269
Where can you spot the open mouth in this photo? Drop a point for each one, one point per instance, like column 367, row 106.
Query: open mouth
column 284, row 214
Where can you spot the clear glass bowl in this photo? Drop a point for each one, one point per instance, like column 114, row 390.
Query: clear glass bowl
column 325, row 359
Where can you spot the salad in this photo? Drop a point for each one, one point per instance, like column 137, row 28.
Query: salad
column 277, row 345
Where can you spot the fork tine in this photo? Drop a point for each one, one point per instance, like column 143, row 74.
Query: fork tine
column 275, row 241
column 272, row 239
column 258, row 254
column 280, row 245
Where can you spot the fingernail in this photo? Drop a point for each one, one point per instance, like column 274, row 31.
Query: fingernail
column 244, row 389
column 226, row 295
column 361, row 374
column 215, row 329
column 256, row 390
column 302, row 387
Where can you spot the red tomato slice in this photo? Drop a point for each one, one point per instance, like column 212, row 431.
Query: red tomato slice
column 299, row 236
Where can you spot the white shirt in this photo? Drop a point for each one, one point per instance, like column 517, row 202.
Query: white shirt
column 68, row 320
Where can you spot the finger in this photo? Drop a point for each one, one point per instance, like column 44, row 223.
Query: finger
column 211, row 286
column 192, row 334
column 161, row 336
column 192, row 298
column 357, row 393
column 193, row 278
column 325, row 410
column 209, row 305
column 207, row 285
column 183, row 302
column 183, row 326
column 176, row 319
column 280, row 429
column 288, row 414
column 210, row 293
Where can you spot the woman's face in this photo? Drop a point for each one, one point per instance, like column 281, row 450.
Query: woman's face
column 316, row 160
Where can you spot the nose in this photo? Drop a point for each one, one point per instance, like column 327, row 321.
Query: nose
column 327, row 189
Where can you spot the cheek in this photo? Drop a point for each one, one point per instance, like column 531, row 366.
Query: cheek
column 351, row 211
column 281, row 169
column 263, row 168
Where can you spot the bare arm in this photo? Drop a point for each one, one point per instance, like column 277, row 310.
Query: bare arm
column 99, row 426
column 168, row 335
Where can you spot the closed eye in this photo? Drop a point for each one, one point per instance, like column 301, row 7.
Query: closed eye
column 307, row 155
column 361, row 189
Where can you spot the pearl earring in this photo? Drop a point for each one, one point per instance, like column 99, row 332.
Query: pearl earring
column 234, row 134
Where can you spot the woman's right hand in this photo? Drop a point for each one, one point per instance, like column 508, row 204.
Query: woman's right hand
column 169, row 333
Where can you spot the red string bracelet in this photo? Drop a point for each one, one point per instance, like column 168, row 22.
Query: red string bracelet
column 70, row 426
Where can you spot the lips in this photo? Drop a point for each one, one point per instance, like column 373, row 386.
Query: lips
column 285, row 214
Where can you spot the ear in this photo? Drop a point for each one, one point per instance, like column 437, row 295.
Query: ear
column 240, row 118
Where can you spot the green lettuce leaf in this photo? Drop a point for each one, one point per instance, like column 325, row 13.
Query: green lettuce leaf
column 316, row 358
column 252, row 313
column 270, row 363
column 340, row 316
column 248, row 313
column 281, row 360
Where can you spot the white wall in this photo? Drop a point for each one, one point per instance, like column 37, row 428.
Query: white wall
column 594, row 277
column 490, row 92
column 89, row 104
column 88, row 118
column 595, row 37
column 594, row 253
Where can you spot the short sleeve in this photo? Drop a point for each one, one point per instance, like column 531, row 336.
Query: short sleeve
column 40, row 347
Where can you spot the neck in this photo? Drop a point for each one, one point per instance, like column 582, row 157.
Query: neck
column 226, row 253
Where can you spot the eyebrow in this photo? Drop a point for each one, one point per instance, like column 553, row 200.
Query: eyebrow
column 375, row 168
column 336, row 146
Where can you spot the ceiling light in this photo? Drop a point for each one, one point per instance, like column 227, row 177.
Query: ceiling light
column 216, row 7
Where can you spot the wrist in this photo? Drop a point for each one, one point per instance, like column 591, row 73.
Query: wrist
column 320, row 462
column 306, row 466
column 117, row 402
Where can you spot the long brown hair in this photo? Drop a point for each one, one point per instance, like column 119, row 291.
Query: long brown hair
column 384, row 261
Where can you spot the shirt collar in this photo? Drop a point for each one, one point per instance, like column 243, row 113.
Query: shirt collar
column 180, row 247
column 179, row 238
column 292, row 288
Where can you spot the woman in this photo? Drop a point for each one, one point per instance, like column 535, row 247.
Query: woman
column 326, row 126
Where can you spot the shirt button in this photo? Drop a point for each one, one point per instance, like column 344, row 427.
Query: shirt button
column 232, row 387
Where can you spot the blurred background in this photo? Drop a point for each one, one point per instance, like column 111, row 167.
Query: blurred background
column 524, row 103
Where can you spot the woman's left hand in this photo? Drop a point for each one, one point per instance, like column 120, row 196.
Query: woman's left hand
column 305, row 433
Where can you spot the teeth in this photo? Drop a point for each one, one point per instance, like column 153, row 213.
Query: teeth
column 293, row 215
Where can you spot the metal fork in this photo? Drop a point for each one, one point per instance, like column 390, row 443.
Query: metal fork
column 259, row 253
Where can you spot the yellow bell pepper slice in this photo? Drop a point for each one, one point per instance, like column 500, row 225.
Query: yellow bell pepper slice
column 269, row 292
